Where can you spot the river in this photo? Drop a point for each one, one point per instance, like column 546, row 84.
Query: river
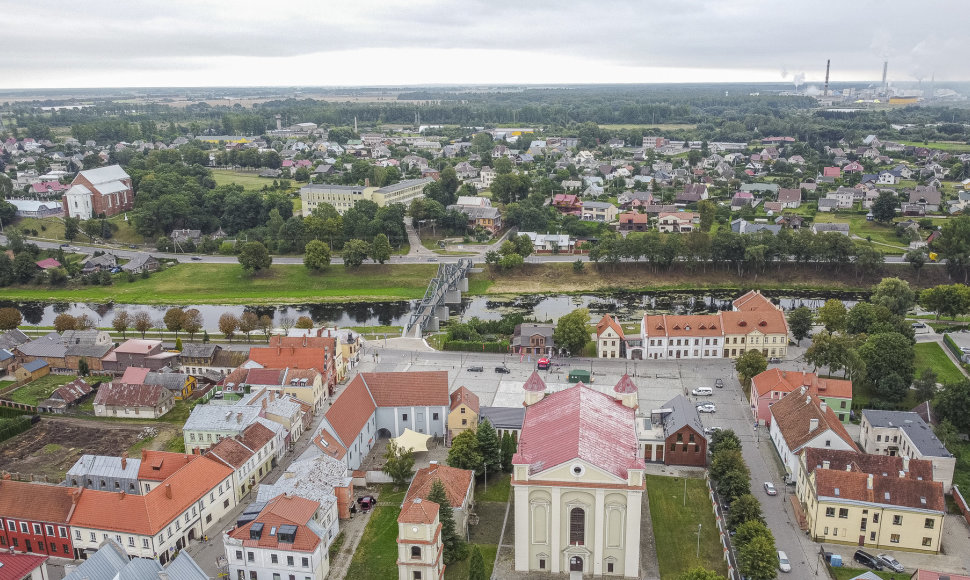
column 624, row 305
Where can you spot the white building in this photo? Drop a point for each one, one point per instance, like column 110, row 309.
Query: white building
column 801, row 420
column 904, row 433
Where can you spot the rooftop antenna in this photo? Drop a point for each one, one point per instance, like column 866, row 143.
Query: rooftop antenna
column 828, row 64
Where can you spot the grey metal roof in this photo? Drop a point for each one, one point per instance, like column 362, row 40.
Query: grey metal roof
column 503, row 417
column 5, row 354
column 913, row 425
column 404, row 185
column 105, row 564
column 105, row 174
column 92, row 350
column 171, row 381
column 104, row 466
column 199, row 350
column 211, row 417
column 184, row 567
column 326, row 187
column 682, row 412
column 44, row 346
column 13, row 338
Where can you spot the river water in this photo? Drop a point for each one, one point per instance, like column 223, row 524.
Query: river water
column 626, row 306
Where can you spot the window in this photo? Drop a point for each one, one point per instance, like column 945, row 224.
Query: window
column 404, row 416
column 225, row 504
column 131, row 541
column 434, row 416
column 872, row 536
column 66, row 549
column 542, row 563
column 927, row 542
column 875, row 518
column 77, row 534
column 415, row 552
column 894, row 538
column 828, row 442
column 251, row 556
column 879, row 438
column 305, row 562
column 897, row 520
column 274, row 558
column 289, row 560
column 417, row 575
column 94, row 537
column 464, row 422
column 609, row 567
column 62, row 532
column 843, row 513
column 50, row 530
column 144, row 543
column 462, row 411
column 577, row 526
column 24, row 527
column 276, row 577
column 830, row 512
column 252, row 575
column 929, row 523
column 843, row 405
column 239, row 554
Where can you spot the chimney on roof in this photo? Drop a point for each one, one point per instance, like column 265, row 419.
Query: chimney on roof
column 826, row 464
column 272, row 396
column 122, row 494
column 869, row 482
column 822, row 406
column 906, row 463
column 433, row 463
column 848, row 467
column 124, row 460
column 812, row 425
column 238, row 417
column 168, row 490
column 264, row 404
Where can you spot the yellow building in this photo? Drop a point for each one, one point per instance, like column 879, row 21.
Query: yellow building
column 464, row 412
column 848, row 499
column 419, row 548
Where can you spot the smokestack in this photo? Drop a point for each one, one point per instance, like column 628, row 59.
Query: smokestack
column 828, row 64
column 905, row 463
column 885, row 68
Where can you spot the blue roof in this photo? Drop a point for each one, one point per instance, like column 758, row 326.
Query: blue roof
column 34, row 365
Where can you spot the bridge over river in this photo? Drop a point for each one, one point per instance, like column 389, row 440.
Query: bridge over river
column 445, row 288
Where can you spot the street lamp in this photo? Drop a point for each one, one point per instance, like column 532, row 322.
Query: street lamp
column 698, row 555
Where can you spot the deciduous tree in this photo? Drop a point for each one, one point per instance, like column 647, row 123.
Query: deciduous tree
column 228, row 325
column 248, row 322
column 64, row 322
column 142, row 322
column 832, row 315
column 464, row 452
column 254, row 257
column 894, row 294
column 700, row 573
column 317, row 256
column 381, row 249
column 758, row 558
column 800, row 323
column 890, row 364
column 354, row 253
column 10, row 318
column 750, row 364
column 121, row 323
column 744, row 509
column 398, row 464
column 572, row 331
column 174, row 320
column 304, row 322
column 193, row 322
column 953, row 404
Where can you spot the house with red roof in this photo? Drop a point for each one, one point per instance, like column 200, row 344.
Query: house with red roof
column 183, row 508
column 568, row 204
column 578, row 480
column 34, row 518
column 139, row 352
column 610, row 340
column 307, row 352
column 773, row 384
column 459, row 487
column 286, row 539
column 48, row 263
column 834, row 172
column 15, row 566
column 463, row 413
column 118, row 399
column 251, row 455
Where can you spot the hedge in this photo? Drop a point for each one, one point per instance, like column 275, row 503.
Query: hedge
column 477, row 346
column 13, row 427
column 952, row 346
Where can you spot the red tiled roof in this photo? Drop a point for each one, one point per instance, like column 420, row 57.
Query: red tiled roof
column 608, row 322
column 280, row 511
column 793, row 415
column 456, row 482
column 135, row 375
column 138, row 346
column 889, row 466
column 19, row 566
column 777, row 380
column 463, row 395
column 72, row 391
column 256, row 436
column 292, row 356
column 854, row 485
column 159, row 465
column 417, row 388
column 931, row 575
column 625, row 385
column 329, row 445
column 534, row 383
column 753, row 300
column 35, row 501
column 418, row 511
column 124, row 395
column 351, row 410
column 230, row 453
column 680, row 325
column 265, row 376
column 48, row 263
column 579, row 423
column 763, row 321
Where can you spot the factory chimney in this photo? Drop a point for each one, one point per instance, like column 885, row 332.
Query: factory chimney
column 825, row 92
column 885, row 69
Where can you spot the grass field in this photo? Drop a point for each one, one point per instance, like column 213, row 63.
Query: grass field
column 949, row 146
column 659, row 127
column 376, row 555
column 675, row 526
column 459, row 570
column 228, row 284
column 931, row 355
column 247, row 180
column 35, row 391
column 843, row 573
column 53, row 229
column 883, row 234
column 498, row 489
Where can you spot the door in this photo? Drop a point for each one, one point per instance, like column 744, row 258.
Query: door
column 29, row 548
column 575, row 564
column 862, row 539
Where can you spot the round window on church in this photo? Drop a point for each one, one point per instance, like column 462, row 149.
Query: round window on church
column 578, row 470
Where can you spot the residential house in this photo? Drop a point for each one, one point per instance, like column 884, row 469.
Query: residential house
column 157, row 466
column 117, row 399
column 833, row 172
column 304, row 385
column 486, row 217
column 578, row 483
column 24, row 566
column 845, row 197
column 294, row 415
column 633, row 222
column 419, row 543
column 610, row 340
column 599, row 211
column 251, row 455
column 101, row 191
column 742, row 226
column 459, row 487
column 827, row 204
column 139, row 352
column 182, row 509
column 771, row 385
column 209, row 360
column 11, row 339
column 66, row 396
column 463, row 414
column 34, row 518
column 550, row 243
column 693, row 193
column 304, row 353
column 31, row 371
column 853, row 167
column 790, row 198
column 533, row 338
column 800, row 420
column 839, row 228
column 141, row 262
column 504, row 419
column 848, row 498
column 106, row 473
column 673, row 434
column 64, row 352
column 111, row 562
column 568, row 203
column 35, row 208
column 680, row 222
column 7, row 360
column 904, row 433
column 209, row 424
column 927, row 197
column 99, row 263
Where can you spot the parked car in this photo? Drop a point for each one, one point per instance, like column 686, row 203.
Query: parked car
column 65, row 245
column 711, row 430
column 475, row 369
column 774, row 360
column 503, row 370
column 133, row 246
column 719, row 383
column 890, row 562
column 543, row 364
column 432, row 259
column 702, row 392
column 706, row 408
column 770, row 488
column 783, row 564
column 918, row 325
column 867, row 560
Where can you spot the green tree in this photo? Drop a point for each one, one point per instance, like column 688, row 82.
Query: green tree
column 894, row 294
column 121, row 323
column 381, row 249
column 749, row 365
column 925, row 385
column 890, row 364
column 700, row 573
column 508, row 450
column 354, row 253
column 916, row 259
column 317, row 256
column 800, row 323
column 953, row 246
column 174, row 320
column 572, row 331
column 464, row 452
column 476, row 565
column 452, row 543
column 71, row 228
column 726, row 460
column 832, row 315
column 304, row 322
column 64, row 322
column 946, row 300
column 398, row 464
column 884, row 208
column 734, row 484
column 82, row 367
column 254, row 257
column 489, row 447
column 952, row 403
column 758, row 558
column 142, row 322
column 946, row 433
column 724, row 439
column 744, row 509
column 748, row 531
column 708, row 212
column 10, row 318
column 523, row 245
column 178, row 344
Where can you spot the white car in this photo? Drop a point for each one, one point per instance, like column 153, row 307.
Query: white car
column 770, row 488
column 890, row 562
column 706, row 408
column 783, row 564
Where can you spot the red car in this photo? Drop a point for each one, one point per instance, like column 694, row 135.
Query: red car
column 544, row 364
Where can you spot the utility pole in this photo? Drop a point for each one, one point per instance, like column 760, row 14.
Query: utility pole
column 698, row 554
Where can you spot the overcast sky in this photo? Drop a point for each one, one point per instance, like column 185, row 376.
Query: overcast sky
column 97, row 43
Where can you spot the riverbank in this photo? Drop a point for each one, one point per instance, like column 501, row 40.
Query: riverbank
column 228, row 284
column 561, row 278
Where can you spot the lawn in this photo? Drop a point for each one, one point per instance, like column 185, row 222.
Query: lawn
column 931, row 355
column 961, row 473
column 883, row 234
column 675, row 526
column 948, row 146
column 228, row 284
column 843, row 573
column 36, row 391
column 376, row 555
column 50, row 228
column 498, row 489
column 247, row 180
column 459, row 570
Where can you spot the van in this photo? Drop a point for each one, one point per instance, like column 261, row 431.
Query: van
column 703, row 392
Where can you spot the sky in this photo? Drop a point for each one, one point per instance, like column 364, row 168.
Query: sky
column 98, row 43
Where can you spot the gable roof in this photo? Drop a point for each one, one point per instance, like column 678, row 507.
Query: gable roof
column 753, row 300
column 19, row 566
column 579, row 423
column 351, row 410
column 775, row 379
column 34, row 365
column 463, row 396
column 895, row 491
column 159, row 465
column 230, row 452
column 455, row 481
column 625, row 385
column 418, row 511
column 104, row 174
column 405, row 389
column 793, row 414
column 682, row 413
column 504, row 417
column 36, row 501
column 280, row 511
column 913, row 425
column 608, row 322
column 118, row 394
column 885, row 465
column 72, row 391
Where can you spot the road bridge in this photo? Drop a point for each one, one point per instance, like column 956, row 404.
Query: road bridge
column 444, row 289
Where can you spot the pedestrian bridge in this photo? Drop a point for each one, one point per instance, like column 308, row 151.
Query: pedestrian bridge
column 445, row 288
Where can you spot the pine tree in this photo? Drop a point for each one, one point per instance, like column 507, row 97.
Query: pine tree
column 488, row 446
column 508, row 450
column 178, row 344
column 454, row 545
column 476, row 566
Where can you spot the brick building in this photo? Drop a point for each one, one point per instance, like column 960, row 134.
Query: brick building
column 105, row 190
column 34, row 518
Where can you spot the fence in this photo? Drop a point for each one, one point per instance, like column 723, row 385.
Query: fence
column 477, row 346
column 22, row 408
column 723, row 531
column 961, row 503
